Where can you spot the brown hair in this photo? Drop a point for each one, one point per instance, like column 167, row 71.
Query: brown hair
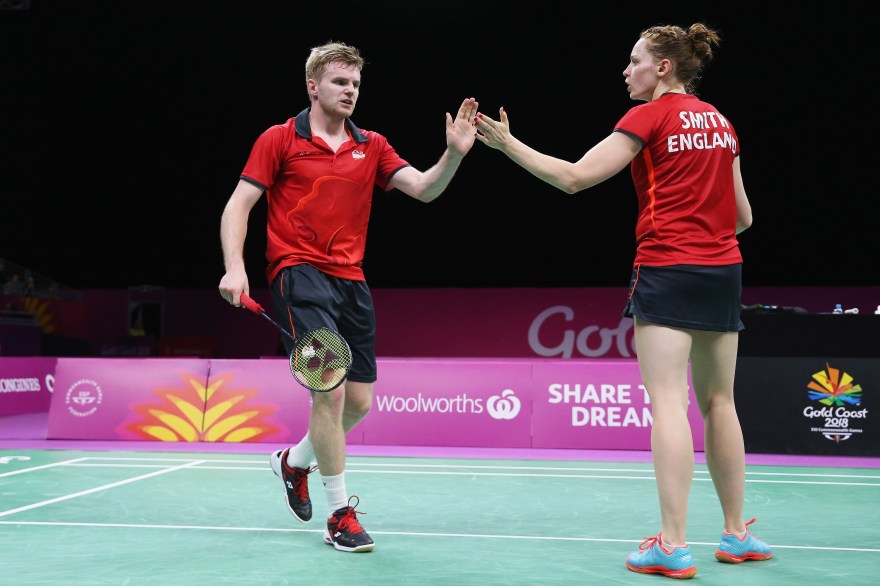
column 688, row 50
column 322, row 56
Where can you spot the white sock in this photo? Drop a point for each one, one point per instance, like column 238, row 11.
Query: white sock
column 334, row 488
column 302, row 454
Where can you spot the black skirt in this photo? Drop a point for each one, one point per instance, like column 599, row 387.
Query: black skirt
column 688, row 296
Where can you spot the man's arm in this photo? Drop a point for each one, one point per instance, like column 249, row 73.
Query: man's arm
column 233, row 231
column 460, row 135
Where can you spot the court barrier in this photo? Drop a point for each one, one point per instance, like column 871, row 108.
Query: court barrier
column 787, row 405
column 512, row 403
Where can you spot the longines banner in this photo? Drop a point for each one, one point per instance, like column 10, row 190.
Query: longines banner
column 810, row 405
column 581, row 404
column 26, row 385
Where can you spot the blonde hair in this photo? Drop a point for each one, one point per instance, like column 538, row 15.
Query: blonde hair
column 321, row 57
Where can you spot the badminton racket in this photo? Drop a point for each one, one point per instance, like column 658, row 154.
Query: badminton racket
column 320, row 360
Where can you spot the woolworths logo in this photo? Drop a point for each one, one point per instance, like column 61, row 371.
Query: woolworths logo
column 503, row 406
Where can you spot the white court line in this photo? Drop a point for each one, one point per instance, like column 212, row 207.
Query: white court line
column 44, row 466
column 355, row 464
column 713, row 544
column 353, row 468
column 98, row 488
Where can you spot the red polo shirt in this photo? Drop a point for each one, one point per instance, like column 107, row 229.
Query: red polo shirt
column 684, row 181
column 319, row 200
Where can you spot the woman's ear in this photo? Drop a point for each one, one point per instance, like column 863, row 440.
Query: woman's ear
column 664, row 67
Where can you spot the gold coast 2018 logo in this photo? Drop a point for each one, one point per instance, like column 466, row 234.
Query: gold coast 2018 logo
column 838, row 399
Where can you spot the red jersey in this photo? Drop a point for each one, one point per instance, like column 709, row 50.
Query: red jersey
column 319, row 200
column 684, row 181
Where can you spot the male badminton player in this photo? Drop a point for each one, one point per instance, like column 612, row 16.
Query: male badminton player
column 318, row 171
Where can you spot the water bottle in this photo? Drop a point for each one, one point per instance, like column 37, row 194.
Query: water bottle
column 838, row 309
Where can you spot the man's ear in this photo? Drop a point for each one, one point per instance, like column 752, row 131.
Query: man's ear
column 312, row 87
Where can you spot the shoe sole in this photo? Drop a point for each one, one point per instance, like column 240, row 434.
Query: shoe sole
column 680, row 574
column 359, row 549
column 728, row 558
column 276, row 457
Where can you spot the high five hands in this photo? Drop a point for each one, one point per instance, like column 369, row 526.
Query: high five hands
column 460, row 132
column 492, row 133
column 469, row 125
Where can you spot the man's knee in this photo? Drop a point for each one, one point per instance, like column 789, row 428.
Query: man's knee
column 358, row 399
column 359, row 405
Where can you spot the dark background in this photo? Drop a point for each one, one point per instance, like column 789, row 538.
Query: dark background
column 125, row 126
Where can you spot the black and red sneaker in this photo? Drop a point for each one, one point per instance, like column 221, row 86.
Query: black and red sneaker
column 344, row 531
column 296, row 485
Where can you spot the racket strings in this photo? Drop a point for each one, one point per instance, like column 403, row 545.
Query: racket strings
column 321, row 360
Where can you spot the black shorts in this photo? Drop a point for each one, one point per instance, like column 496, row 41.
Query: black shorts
column 687, row 296
column 305, row 299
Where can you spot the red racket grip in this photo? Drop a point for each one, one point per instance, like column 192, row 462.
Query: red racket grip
column 250, row 304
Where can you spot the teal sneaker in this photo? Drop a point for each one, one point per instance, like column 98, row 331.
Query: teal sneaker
column 734, row 550
column 654, row 558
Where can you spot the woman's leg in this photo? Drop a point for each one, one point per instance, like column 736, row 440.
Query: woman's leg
column 663, row 353
column 713, row 364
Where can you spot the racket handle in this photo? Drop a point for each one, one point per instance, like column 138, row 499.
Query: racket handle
column 250, row 304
